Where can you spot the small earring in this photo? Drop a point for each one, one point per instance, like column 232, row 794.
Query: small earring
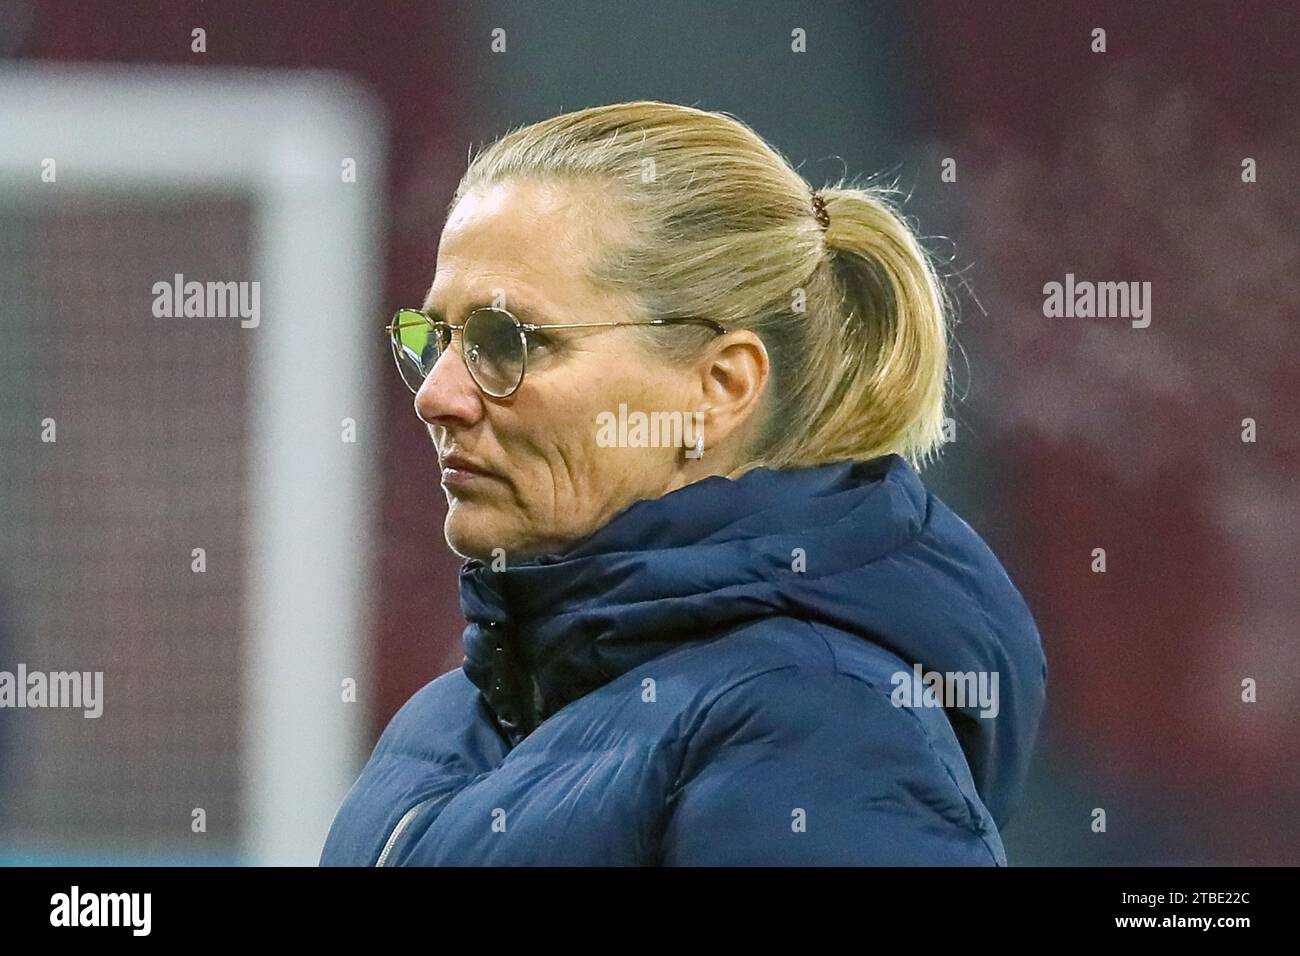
column 698, row 451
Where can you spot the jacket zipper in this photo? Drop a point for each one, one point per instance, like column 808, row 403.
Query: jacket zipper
column 401, row 827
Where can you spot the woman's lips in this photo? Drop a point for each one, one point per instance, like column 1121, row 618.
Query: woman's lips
column 460, row 472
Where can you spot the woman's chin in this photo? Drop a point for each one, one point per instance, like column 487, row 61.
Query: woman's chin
column 478, row 531
column 487, row 535
column 470, row 534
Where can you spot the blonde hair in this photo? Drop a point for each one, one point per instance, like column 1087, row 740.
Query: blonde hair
column 718, row 224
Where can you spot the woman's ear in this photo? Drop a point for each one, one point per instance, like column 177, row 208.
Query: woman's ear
column 732, row 379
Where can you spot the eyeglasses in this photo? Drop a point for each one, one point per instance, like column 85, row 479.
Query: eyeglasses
column 494, row 344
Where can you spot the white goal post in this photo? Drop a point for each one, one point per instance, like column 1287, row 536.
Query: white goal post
column 282, row 140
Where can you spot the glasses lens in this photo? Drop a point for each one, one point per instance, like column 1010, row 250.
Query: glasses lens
column 494, row 351
column 415, row 346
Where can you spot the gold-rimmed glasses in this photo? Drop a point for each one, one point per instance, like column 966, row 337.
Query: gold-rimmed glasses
column 494, row 344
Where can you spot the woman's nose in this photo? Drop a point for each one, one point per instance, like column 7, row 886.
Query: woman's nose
column 448, row 396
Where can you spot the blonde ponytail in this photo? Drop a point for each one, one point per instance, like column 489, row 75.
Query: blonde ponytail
column 883, row 366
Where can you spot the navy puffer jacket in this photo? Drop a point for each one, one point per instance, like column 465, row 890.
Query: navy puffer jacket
column 724, row 675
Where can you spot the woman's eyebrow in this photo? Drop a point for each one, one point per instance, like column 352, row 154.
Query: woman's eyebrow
column 524, row 313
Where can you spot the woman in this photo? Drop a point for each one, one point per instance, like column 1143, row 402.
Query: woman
column 699, row 650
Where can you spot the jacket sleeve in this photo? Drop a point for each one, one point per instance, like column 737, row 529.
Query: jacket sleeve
column 792, row 768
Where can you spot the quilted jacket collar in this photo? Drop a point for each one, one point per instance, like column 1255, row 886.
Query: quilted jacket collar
column 685, row 567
